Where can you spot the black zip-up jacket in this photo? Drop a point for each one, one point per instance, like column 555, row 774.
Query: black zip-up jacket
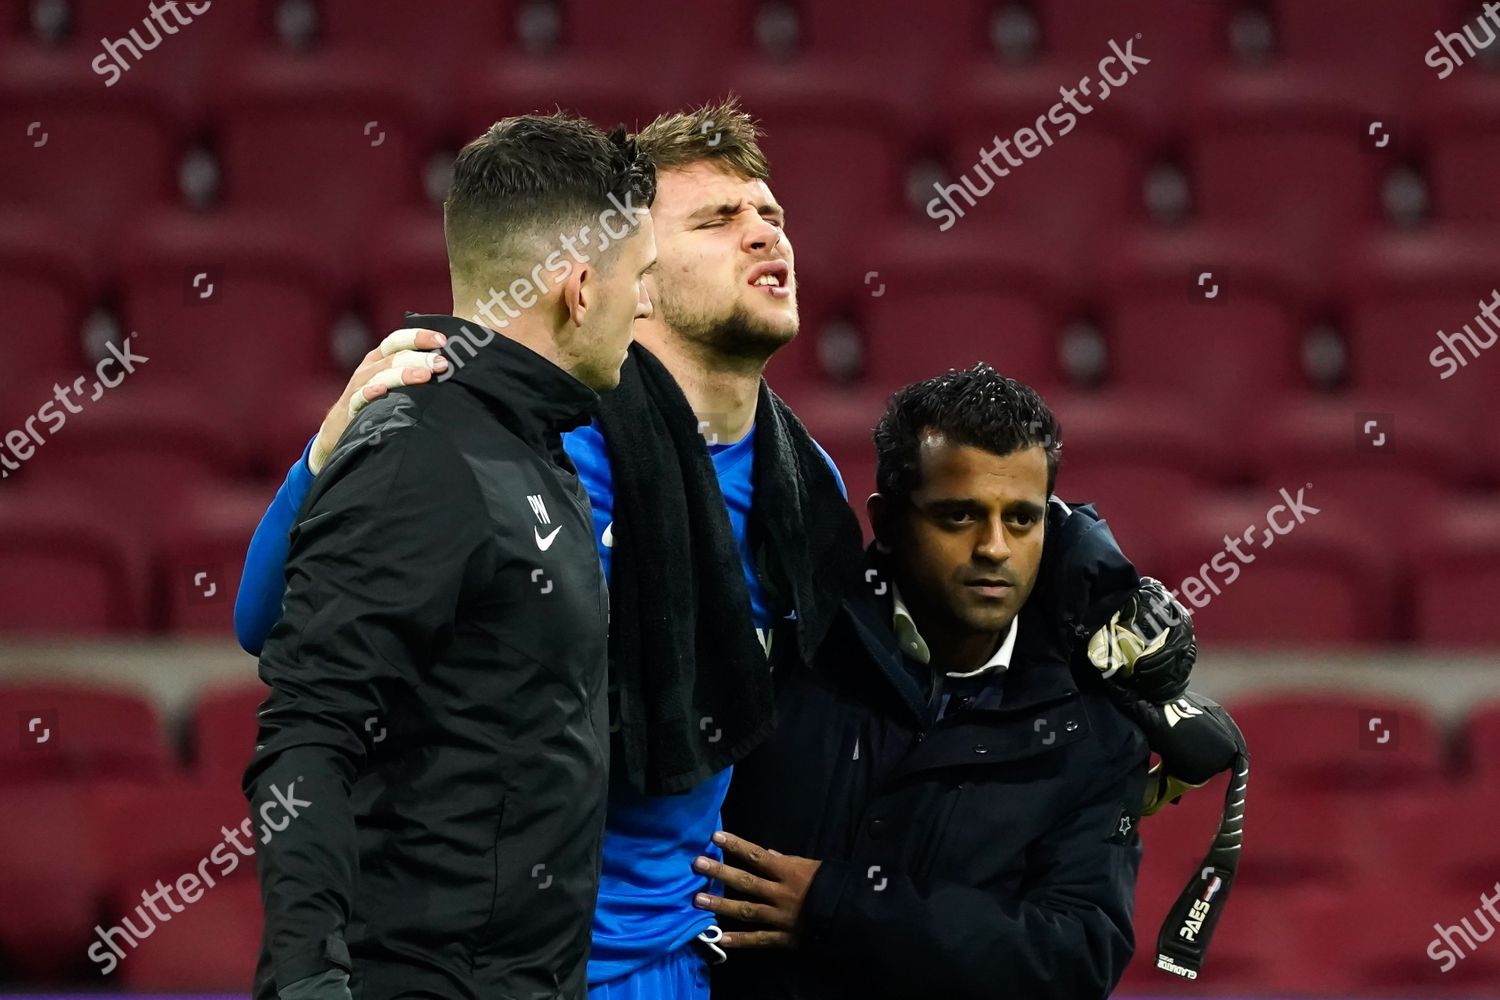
column 438, row 711
column 989, row 854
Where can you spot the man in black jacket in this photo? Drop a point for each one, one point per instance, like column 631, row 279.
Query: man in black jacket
column 970, row 797
column 437, row 729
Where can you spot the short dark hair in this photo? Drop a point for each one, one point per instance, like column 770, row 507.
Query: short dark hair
column 529, row 179
column 978, row 407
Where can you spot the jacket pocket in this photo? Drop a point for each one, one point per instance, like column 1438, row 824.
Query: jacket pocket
column 930, row 850
column 498, row 880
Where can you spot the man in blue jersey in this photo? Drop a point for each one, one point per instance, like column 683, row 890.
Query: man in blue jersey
column 725, row 300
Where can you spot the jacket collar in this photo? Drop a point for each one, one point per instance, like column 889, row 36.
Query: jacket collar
column 531, row 395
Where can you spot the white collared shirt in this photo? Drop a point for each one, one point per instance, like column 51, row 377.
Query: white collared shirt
column 915, row 646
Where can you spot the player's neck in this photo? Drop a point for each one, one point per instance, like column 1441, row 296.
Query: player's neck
column 722, row 394
column 528, row 333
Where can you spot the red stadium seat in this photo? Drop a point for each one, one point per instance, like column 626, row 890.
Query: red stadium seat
column 1335, row 744
column 1210, row 316
column 53, row 547
column 349, row 142
column 406, row 270
column 1401, row 294
column 80, row 732
column 1465, row 817
column 1392, row 952
column 1382, row 462
column 144, row 449
column 201, row 563
column 1144, row 462
column 46, row 286
column 176, row 63
column 1340, row 39
column 941, row 301
column 1266, row 153
column 1482, row 744
column 1322, row 582
column 1456, row 577
column 172, row 833
column 1463, row 131
column 223, row 728
column 52, row 873
column 233, row 307
column 1099, row 162
column 60, row 124
column 211, row 948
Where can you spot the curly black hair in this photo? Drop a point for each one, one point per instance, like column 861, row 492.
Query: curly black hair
column 978, row 407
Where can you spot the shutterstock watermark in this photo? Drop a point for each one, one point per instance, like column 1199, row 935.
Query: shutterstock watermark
column 1228, row 563
column 1444, row 56
column 1030, row 141
column 1453, row 954
column 112, row 62
column 23, row 441
column 107, row 951
column 528, row 289
column 1448, row 355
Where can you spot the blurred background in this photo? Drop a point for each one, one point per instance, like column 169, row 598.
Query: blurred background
column 1229, row 279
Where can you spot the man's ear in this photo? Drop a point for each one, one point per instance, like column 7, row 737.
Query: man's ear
column 879, row 510
column 579, row 289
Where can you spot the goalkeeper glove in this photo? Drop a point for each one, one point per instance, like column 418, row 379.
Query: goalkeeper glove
column 1148, row 645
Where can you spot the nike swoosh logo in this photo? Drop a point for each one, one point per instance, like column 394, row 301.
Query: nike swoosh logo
column 608, row 541
column 546, row 543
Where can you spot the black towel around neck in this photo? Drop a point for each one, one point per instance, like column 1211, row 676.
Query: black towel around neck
column 692, row 682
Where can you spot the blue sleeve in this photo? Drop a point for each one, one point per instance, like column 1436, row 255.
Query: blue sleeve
column 837, row 475
column 258, row 605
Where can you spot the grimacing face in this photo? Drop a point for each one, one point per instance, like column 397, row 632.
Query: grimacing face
column 727, row 273
column 619, row 299
column 967, row 548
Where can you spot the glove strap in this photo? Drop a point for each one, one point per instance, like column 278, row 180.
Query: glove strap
column 1184, row 937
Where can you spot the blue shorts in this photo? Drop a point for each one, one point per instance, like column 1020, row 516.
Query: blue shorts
column 682, row 975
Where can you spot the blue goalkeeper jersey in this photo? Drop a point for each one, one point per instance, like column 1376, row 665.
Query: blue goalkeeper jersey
column 645, row 909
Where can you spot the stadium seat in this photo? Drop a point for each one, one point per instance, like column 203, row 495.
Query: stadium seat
column 68, row 570
column 1456, row 576
column 428, row 52
column 1262, row 151
column 1380, row 461
column 1392, row 953
column 1482, row 744
column 1099, row 163
column 234, row 307
column 350, row 144
column 1334, row 40
column 1465, row 815
column 1205, row 315
column 61, row 125
column 142, row 450
column 46, row 286
column 1339, row 744
column 52, row 879
column 178, row 63
column 79, row 732
column 200, row 564
column 1325, row 584
column 223, row 727
column 1400, row 293
column 406, row 270
column 165, row 832
column 934, row 302
column 1463, row 133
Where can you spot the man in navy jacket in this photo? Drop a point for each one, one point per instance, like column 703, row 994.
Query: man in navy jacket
column 952, row 793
